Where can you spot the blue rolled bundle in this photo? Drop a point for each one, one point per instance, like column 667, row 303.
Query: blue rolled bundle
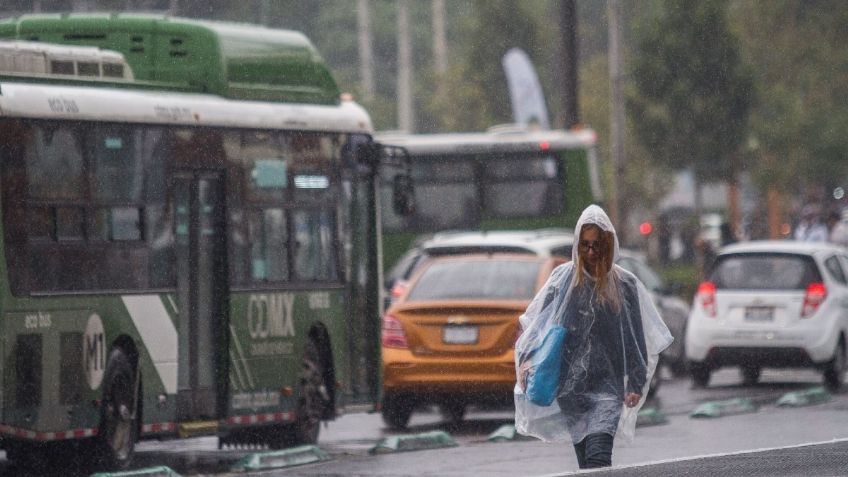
column 543, row 380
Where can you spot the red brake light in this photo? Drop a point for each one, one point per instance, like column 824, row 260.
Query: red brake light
column 706, row 296
column 816, row 293
column 545, row 146
column 398, row 289
column 392, row 335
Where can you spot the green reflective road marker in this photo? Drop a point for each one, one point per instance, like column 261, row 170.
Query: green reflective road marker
column 650, row 416
column 724, row 408
column 504, row 433
column 809, row 397
column 281, row 458
column 413, row 442
column 161, row 471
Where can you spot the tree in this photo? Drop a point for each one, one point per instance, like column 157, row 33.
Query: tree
column 798, row 124
column 693, row 94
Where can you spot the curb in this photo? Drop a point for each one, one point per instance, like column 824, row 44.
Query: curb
column 650, row 416
column 724, row 408
column 281, row 458
column 506, row 432
column 413, row 442
column 161, row 471
column 808, row 397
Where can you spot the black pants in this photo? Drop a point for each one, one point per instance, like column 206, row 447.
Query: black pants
column 594, row 451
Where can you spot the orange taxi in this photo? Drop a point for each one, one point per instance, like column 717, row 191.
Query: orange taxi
column 449, row 339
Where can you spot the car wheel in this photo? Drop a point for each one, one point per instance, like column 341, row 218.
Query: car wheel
column 834, row 371
column 750, row 375
column 396, row 410
column 679, row 369
column 700, row 374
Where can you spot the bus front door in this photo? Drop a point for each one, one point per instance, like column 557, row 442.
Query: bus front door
column 202, row 291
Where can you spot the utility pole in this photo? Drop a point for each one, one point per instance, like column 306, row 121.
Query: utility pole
column 568, row 37
column 440, row 42
column 617, row 213
column 366, row 50
column 264, row 12
column 404, row 87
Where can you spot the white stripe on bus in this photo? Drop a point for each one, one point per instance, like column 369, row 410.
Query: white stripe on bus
column 241, row 356
column 158, row 333
column 235, row 373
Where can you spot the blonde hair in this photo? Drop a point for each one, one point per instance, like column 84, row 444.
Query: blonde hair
column 606, row 283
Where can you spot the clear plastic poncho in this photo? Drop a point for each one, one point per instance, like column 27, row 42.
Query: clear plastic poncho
column 608, row 351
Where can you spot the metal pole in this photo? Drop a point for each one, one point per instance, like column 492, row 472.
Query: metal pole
column 616, row 119
column 440, row 42
column 404, row 87
column 366, row 50
column 568, row 31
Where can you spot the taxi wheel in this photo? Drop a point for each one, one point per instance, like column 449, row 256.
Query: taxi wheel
column 453, row 411
column 396, row 410
column 750, row 375
column 834, row 371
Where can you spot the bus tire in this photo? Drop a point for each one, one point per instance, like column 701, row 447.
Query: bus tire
column 118, row 432
column 312, row 401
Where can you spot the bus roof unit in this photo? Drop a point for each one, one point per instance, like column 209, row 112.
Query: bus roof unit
column 237, row 61
column 33, row 58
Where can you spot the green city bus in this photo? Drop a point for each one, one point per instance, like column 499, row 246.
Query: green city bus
column 192, row 251
column 507, row 178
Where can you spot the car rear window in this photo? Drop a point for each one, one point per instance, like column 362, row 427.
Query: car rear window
column 765, row 271
column 477, row 279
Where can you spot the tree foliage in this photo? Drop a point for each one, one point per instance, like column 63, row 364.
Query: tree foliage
column 692, row 92
column 797, row 49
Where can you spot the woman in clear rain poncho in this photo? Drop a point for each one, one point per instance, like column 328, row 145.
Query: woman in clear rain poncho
column 613, row 336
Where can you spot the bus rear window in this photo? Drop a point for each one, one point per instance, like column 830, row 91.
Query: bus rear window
column 764, row 271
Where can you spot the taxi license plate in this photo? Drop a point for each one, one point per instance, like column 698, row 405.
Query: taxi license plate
column 759, row 313
column 459, row 334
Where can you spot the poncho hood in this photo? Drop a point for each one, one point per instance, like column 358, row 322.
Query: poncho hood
column 595, row 215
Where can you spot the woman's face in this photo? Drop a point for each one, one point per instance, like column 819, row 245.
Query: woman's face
column 590, row 246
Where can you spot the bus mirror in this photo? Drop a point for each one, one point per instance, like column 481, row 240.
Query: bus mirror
column 369, row 154
column 403, row 195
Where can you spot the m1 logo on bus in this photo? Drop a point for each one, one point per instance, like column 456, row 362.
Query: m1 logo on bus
column 94, row 351
column 271, row 315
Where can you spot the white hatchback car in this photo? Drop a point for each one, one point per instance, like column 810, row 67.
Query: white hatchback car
column 771, row 304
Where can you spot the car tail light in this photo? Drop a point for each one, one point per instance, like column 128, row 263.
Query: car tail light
column 392, row 335
column 398, row 289
column 707, row 298
column 816, row 293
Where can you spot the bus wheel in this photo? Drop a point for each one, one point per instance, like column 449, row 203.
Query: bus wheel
column 312, row 400
column 118, row 426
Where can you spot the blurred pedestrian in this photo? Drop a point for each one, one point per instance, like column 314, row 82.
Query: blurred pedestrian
column 839, row 231
column 613, row 338
column 811, row 228
column 727, row 235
